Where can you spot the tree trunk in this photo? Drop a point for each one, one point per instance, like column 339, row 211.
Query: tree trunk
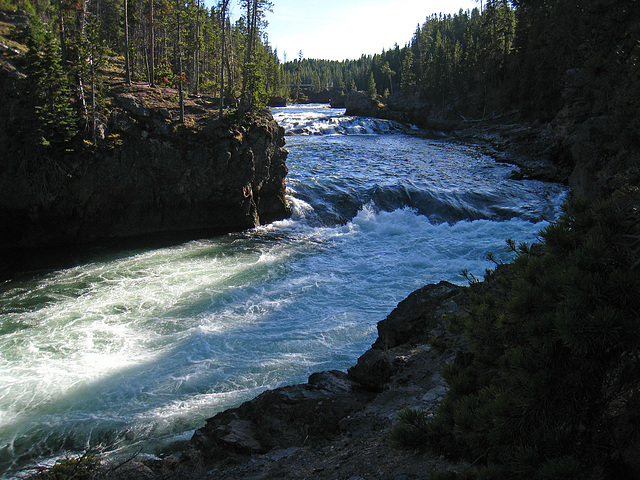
column 196, row 53
column 82, row 21
column 249, row 51
column 152, row 42
column 179, row 54
column 93, row 94
column 223, row 15
column 63, row 41
column 126, row 43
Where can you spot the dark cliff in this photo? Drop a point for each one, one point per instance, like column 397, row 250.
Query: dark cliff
column 145, row 174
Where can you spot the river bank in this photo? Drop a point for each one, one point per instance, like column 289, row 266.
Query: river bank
column 336, row 425
column 145, row 172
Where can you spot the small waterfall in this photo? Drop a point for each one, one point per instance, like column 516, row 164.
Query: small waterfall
column 330, row 121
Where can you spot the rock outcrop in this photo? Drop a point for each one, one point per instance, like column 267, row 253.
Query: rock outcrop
column 144, row 175
column 284, row 417
column 400, row 108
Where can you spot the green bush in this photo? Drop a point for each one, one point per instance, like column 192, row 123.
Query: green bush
column 81, row 468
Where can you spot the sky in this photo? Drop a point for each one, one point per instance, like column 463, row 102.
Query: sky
column 347, row 29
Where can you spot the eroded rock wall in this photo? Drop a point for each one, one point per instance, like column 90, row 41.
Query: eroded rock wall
column 146, row 175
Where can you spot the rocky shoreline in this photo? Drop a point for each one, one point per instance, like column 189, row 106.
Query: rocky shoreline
column 337, row 424
column 144, row 173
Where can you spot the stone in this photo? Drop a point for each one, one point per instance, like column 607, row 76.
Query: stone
column 119, row 121
column 372, row 371
column 357, row 103
column 240, row 435
column 286, row 417
column 132, row 104
column 164, row 113
column 416, row 316
column 277, row 102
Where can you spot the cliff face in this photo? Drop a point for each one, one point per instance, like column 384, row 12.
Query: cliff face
column 145, row 175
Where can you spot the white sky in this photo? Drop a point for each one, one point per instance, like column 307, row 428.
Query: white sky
column 346, row 29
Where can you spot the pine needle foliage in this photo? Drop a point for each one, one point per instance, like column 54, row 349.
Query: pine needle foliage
column 49, row 93
column 549, row 385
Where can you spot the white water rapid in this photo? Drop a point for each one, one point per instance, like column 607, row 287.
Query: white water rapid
column 134, row 349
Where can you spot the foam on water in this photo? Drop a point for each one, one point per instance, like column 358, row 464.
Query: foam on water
column 319, row 119
column 141, row 347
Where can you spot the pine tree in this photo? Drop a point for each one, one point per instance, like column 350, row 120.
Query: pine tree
column 372, row 91
column 408, row 79
column 49, row 94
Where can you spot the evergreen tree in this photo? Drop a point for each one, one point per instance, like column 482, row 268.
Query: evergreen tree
column 92, row 53
column 252, row 81
column 372, row 91
column 408, row 80
column 387, row 72
column 49, row 93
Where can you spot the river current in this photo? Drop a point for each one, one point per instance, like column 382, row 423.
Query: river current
column 132, row 350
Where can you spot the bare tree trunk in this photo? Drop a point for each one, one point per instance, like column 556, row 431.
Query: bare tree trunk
column 126, row 44
column 82, row 21
column 93, row 95
column 179, row 54
column 249, row 51
column 152, row 42
column 223, row 14
column 63, row 40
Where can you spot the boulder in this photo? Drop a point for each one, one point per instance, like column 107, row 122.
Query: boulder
column 373, row 370
column 132, row 104
column 414, row 319
column 358, row 103
column 286, row 417
column 338, row 100
column 277, row 102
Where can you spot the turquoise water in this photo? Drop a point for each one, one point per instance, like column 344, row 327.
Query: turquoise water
column 134, row 349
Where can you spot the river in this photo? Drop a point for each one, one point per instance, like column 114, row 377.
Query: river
column 133, row 349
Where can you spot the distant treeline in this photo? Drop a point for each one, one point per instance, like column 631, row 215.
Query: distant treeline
column 510, row 53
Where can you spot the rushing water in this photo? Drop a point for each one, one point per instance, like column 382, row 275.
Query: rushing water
column 135, row 349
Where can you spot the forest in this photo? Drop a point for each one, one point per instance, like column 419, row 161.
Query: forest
column 508, row 54
column 504, row 55
column 75, row 47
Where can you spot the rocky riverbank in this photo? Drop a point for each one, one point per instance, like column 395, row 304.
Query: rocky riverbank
column 149, row 177
column 337, row 424
column 578, row 148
